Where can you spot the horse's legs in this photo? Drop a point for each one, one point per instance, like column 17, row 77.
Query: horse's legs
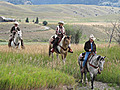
column 64, row 58
column 57, row 56
column 52, row 57
column 81, row 76
column 49, row 50
column 86, row 80
column 92, row 80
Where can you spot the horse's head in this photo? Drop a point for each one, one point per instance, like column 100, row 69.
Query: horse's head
column 101, row 61
column 19, row 34
column 67, row 40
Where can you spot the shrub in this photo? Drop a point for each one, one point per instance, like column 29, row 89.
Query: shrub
column 27, row 20
column 45, row 23
column 37, row 20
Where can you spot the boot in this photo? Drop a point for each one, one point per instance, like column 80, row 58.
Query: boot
column 52, row 50
column 70, row 50
column 22, row 45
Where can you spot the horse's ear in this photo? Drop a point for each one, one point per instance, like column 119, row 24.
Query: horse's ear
column 104, row 57
column 70, row 37
column 98, row 58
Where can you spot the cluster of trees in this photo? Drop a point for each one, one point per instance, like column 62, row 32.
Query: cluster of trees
column 37, row 21
column 75, row 32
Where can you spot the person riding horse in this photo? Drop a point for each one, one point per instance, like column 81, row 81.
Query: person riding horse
column 13, row 31
column 89, row 47
column 60, row 32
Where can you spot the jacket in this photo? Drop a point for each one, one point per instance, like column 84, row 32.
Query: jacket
column 88, row 46
column 60, row 30
column 13, row 28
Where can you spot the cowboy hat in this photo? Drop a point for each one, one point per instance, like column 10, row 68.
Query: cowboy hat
column 92, row 37
column 16, row 23
column 60, row 22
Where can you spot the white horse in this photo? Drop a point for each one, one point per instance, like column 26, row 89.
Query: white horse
column 16, row 43
column 94, row 64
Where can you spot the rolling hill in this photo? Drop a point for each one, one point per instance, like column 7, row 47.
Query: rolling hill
column 87, row 2
column 70, row 13
column 66, row 12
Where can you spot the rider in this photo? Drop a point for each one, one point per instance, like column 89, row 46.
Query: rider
column 13, row 30
column 60, row 32
column 89, row 47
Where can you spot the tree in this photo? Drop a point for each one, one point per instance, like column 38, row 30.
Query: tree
column 37, row 20
column 114, row 33
column 45, row 23
column 75, row 32
column 27, row 20
column 78, row 34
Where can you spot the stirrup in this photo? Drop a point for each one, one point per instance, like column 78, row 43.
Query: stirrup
column 52, row 50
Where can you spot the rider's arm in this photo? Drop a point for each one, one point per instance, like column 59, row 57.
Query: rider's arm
column 12, row 29
column 18, row 28
column 94, row 48
column 63, row 31
column 86, row 47
column 57, row 31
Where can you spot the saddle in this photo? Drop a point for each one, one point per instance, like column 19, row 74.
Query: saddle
column 88, row 59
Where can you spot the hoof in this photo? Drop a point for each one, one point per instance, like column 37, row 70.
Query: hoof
column 92, row 88
column 86, row 82
column 81, row 82
column 22, row 47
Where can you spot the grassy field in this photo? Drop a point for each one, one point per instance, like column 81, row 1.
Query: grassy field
column 32, row 68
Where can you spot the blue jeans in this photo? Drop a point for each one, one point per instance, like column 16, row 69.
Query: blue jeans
column 86, row 56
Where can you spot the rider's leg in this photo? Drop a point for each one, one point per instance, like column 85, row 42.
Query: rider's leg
column 55, row 44
column 85, row 60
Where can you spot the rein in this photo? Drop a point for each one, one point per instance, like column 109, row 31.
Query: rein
column 93, row 66
column 63, row 48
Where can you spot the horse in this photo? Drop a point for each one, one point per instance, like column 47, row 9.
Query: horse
column 16, row 43
column 94, row 63
column 62, row 47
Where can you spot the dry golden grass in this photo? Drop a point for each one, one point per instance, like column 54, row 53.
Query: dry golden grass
column 29, row 49
column 42, row 48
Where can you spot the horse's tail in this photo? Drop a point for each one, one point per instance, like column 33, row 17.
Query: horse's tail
column 50, row 49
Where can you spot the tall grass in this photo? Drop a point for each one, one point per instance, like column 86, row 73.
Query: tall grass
column 32, row 68
column 111, row 73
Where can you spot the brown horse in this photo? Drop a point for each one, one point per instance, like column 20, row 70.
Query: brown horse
column 62, row 47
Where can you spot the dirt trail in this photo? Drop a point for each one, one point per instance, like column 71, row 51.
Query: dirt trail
column 97, row 86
